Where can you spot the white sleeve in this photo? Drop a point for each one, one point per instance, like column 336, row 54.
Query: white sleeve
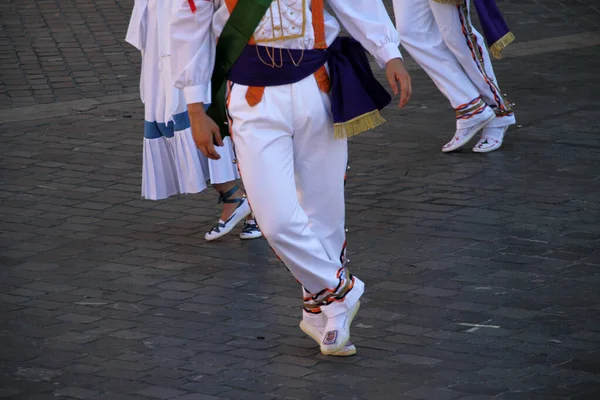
column 368, row 22
column 192, row 49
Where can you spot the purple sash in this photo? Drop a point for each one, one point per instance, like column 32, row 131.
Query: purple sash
column 356, row 96
column 496, row 32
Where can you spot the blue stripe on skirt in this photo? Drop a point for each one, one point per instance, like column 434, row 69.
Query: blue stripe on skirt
column 155, row 130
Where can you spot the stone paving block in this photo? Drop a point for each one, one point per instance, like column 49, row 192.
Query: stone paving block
column 433, row 393
column 129, row 334
column 79, row 318
column 75, row 392
column 180, row 286
column 158, row 392
column 287, row 370
column 110, row 396
column 127, row 366
column 412, row 359
column 197, row 396
column 8, row 393
column 408, row 329
column 244, row 395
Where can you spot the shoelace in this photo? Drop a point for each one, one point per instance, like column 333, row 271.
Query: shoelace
column 217, row 228
column 249, row 228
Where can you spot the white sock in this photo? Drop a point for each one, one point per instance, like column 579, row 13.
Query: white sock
column 317, row 320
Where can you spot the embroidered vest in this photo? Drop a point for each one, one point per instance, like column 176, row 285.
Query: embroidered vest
column 255, row 94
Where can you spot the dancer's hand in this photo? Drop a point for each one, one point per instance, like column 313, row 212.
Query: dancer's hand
column 397, row 73
column 204, row 131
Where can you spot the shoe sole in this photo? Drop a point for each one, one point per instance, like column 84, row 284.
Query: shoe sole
column 233, row 223
column 475, row 132
column 341, row 353
column 347, row 328
column 249, row 237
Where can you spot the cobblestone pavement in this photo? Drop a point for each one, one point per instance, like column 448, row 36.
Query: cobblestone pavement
column 482, row 271
column 53, row 50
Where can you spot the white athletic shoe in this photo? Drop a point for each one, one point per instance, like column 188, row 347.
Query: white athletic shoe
column 250, row 230
column 224, row 227
column 316, row 333
column 464, row 135
column 491, row 139
column 337, row 331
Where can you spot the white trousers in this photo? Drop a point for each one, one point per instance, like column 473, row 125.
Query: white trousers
column 293, row 172
column 442, row 39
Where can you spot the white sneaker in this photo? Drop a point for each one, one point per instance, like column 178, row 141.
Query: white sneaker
column 224, row 227
column 464, row 135
column 337, row 331
column 316, row 333
column 491, row 139
column 250, row 230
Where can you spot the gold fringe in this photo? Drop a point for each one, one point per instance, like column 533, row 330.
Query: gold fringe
column 496, row 48
column 456, row 2
column 358, row 125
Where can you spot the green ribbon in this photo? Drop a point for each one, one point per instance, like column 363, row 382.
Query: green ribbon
column 236, row 34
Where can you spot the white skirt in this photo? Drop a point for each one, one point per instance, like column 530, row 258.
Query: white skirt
column 173, row 165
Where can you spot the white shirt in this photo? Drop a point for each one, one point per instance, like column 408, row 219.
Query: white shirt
column 287, row 24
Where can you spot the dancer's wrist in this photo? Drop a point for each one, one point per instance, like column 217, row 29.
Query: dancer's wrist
column 197, row 109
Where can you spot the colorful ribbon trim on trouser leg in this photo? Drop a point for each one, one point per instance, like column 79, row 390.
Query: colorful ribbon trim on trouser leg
column 470, row 109
column 313, row 303
column 502, row 106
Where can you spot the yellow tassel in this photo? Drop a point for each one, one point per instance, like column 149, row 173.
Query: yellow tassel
column 496, row 48
column 358, row 125
column 456, row 2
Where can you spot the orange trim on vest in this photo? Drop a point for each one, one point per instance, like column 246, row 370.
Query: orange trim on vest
column 318, row 22
column 254, row 94
column 231, row 5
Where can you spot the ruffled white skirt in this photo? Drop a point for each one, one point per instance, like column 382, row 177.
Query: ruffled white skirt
column 173, row 165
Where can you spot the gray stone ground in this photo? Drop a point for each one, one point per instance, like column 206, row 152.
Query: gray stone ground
column 482, row 270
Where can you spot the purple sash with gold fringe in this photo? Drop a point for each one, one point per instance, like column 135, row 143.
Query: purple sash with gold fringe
column 356, row 95
column 496, row 32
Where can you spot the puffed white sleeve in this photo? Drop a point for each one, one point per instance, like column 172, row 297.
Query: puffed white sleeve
column 369, row 23
column 192, row 47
